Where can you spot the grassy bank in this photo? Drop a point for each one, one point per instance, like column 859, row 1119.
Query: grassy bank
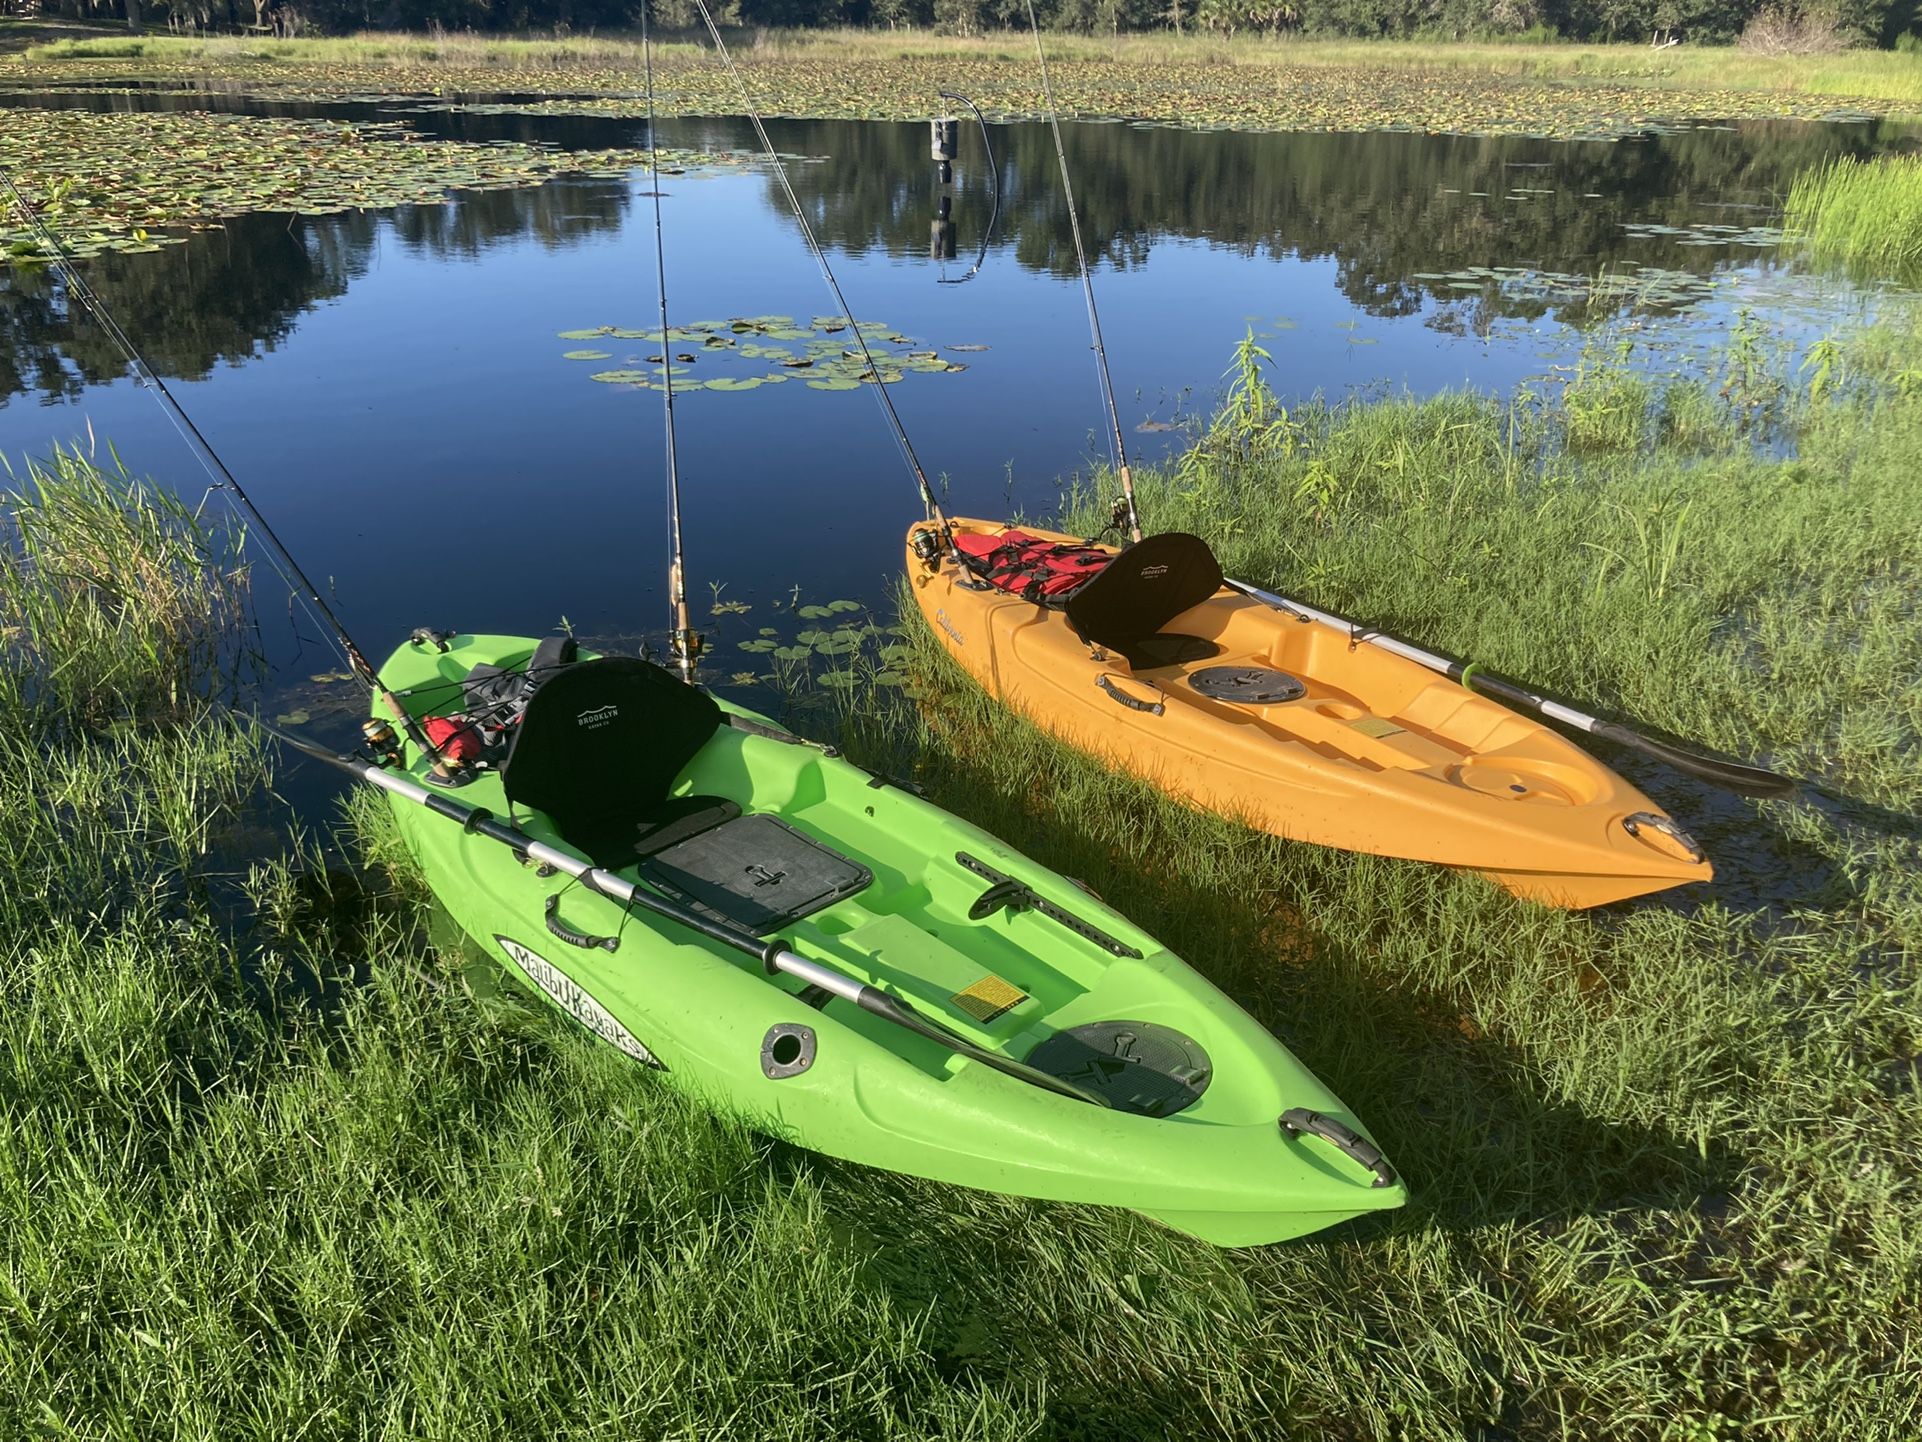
column 266, row 1171
column 270, row 1162
column 1245, row 84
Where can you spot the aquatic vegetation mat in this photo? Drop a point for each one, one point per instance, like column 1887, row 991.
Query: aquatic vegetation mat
column 1256, row 95
column 746, row 352
column 133, row 181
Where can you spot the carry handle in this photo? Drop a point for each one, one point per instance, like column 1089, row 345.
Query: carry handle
column 584, row 940
column 1133, row 703
column 1343, row 1138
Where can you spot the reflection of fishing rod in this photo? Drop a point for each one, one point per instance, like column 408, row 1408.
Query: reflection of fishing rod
column 685, row 645
column 928, row 497
column 1126, row 509
column 994, row 173
column 447, row 770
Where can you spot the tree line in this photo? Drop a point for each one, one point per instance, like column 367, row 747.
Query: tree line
column 1804, row 24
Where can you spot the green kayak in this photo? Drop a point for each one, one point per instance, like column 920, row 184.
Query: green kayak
column 942, row 1006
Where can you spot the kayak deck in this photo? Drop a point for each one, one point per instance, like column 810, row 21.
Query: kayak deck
column 1286, row 724
column 935, row 912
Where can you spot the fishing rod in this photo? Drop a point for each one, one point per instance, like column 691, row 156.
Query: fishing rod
column 928, row 498
column 1087, row 290
column 446, row 769
column 685, row 645
column 769, row 954
column 994, row 179
column 1731, row 775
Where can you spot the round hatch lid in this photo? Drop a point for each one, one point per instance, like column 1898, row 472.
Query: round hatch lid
column 1250, row 685
column 1134, row 1066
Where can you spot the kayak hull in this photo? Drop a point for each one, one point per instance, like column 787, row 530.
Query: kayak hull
column 710, row 1019
column 1375, row 754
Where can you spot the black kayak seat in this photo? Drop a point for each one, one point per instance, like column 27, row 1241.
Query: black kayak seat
column 1128, row 602
column 599, row 748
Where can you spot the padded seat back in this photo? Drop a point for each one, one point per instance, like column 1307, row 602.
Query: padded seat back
column 1143, row 589
column 601, row 743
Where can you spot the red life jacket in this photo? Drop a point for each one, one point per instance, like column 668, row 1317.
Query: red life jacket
column 1045, row 572
column 456, row 738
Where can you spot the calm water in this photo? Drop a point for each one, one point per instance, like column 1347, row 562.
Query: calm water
column 391, row 388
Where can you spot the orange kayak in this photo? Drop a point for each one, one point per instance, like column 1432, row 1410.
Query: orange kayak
column 1280, row 722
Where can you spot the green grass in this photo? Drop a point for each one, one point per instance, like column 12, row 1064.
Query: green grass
column 271, row 1160
column 116, row 599
column 1865, row 216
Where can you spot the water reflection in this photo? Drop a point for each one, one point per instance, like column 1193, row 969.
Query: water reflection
column 1386, row 209
column 236, row 291
column 1383, row 206
column 369, row 373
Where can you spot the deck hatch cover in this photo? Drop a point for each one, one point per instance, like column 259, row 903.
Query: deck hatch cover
column 1135, row 1066
column 1248, row 685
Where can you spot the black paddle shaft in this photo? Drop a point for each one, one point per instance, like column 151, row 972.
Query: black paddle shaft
column 1733, row 775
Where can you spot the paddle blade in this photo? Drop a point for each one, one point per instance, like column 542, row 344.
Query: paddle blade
column 1732, row 775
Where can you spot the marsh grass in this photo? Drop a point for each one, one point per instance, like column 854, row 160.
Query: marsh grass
column 115, row 597
column 1881, row 74
column 1864, row 216
column 301, row 1173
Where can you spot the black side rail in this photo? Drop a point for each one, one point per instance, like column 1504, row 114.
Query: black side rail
column 1004, row 890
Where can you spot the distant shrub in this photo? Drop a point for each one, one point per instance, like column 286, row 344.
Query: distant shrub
column 1789, row 29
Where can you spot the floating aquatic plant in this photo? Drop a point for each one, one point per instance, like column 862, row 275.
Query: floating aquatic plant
column 132, row 181
column 1193, row 94
column 743, row 353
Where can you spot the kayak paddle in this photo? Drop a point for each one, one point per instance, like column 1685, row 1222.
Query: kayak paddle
column 1731, row 775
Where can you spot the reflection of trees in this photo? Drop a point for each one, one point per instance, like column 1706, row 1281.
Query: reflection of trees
column 228, row 291
column 554, row 215
column 1378, row 204
column 214, row 298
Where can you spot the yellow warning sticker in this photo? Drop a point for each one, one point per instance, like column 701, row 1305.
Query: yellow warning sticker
column 989, row 998
column 1376, row 726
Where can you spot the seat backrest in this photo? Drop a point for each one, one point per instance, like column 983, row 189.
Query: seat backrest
column 1143, row 589
column 602, row 740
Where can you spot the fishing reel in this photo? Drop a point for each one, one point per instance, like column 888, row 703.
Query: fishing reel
column 926, row 546
column 1120, row 514
column 687, row 647
column 379, row 741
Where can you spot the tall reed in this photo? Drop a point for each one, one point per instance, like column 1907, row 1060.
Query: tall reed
column 1863, row 215
column 117, row 598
